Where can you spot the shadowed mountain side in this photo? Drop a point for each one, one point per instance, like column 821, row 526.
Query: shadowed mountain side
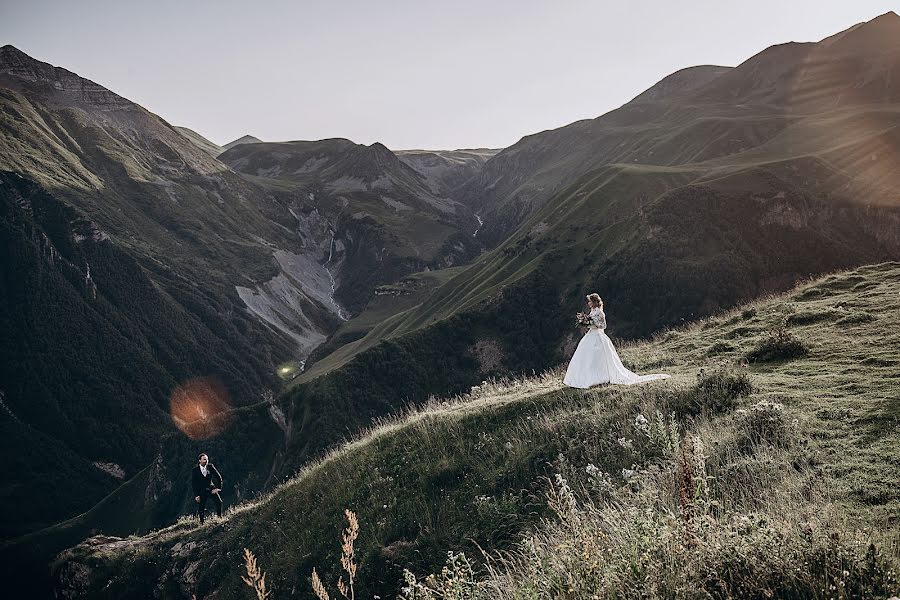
column 144, row 183
column 135, row 263
column 388, row 301
column 96, row 341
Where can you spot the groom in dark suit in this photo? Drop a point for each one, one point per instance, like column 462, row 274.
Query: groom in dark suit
column 207, row 482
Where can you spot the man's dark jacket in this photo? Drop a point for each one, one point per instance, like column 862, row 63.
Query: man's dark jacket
column 205, row 485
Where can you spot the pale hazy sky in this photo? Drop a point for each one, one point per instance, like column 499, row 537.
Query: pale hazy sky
column 410, row 74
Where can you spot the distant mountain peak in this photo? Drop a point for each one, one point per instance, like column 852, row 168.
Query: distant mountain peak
column 874, row 36
column 16, row 62
column 245, row 139
column 10, row 49
column 379, row 149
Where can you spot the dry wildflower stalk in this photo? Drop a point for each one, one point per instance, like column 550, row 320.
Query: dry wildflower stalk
column 692, row 490
column 319, row 587
column 348, row 537
column 348, row 562
column 256, row 579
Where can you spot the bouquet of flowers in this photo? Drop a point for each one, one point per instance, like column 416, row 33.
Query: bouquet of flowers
column 583, row 320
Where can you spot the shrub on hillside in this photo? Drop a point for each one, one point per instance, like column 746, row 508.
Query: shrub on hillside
column 717, row 391
column 764, row 423
column 780, row 344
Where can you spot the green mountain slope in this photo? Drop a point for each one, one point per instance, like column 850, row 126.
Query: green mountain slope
column 801, row 449
column 156, row 193
column 705, row 113
column 388, row 301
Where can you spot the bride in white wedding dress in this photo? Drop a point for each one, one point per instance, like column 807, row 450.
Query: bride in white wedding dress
column 595, row 360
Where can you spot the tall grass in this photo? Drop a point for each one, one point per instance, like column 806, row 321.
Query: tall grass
column 667, row 533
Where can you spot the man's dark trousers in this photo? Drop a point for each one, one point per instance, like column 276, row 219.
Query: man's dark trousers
column 201, row 506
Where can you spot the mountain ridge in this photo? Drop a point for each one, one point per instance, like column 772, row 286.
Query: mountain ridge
column 204, row 144
column 767, row 91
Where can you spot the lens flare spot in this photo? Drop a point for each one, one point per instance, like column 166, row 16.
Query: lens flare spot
column 290, row 370
column 200, row 408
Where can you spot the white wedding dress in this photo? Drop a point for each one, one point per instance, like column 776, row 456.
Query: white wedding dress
column 596, row 361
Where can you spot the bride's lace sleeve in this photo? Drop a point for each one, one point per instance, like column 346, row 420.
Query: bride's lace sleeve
column 598, row 318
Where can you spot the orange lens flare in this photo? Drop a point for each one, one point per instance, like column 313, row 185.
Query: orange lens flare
column 200, row 408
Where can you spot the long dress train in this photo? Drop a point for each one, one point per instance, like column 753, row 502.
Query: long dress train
column 596, row 361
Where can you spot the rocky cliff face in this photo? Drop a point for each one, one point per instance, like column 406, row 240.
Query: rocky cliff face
column 63, row 88
column 372, row 217
column 151, row 188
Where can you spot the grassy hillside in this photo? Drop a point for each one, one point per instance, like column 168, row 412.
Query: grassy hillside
column 766, row 467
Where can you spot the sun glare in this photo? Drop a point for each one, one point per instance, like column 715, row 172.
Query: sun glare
column 200, row 408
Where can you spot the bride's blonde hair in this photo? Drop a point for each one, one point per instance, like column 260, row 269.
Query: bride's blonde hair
column 595, row 299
